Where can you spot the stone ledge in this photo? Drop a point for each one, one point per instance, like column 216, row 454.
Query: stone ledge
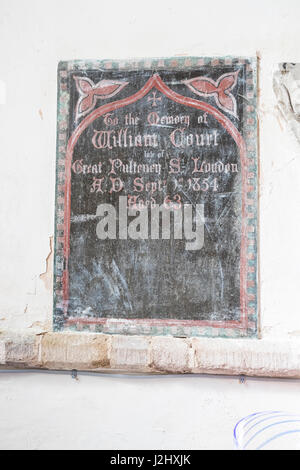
column 141, row 354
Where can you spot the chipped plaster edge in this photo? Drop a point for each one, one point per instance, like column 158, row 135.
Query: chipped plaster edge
column 151, row 355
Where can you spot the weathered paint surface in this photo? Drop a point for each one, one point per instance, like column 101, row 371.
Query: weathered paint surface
column 171, row 132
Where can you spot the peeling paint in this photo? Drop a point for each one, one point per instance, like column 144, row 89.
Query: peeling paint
column 47, row 276
column 287, row 90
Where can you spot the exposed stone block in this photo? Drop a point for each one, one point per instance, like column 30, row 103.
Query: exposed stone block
column 75, row 351
column 170, row 354
column 130, row 352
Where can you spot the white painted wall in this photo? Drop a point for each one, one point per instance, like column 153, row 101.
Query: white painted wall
column 42, row 411
column 51, row 411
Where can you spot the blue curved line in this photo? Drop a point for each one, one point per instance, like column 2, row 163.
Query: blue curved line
column 263, row 413
column 245, row 419
column 240, row 421
column 271, row 417
column 270, row 426
column 276, row 436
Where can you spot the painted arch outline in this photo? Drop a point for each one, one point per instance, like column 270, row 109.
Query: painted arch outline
column 156, row 82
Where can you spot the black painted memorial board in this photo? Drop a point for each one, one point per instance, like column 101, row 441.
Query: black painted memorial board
column 156, row 199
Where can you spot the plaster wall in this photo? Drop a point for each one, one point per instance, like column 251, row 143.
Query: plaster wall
column 45, row 411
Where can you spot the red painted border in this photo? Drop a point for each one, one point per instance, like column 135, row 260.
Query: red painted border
column 156, row 82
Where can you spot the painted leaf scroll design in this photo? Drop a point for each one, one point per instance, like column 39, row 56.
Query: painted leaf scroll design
column 89, row 93
column 220, row 90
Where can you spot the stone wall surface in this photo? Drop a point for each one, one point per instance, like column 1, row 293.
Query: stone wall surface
column 139, row 354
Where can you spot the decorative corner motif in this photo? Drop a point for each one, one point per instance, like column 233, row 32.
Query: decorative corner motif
column 90, row 92
column 220, row 90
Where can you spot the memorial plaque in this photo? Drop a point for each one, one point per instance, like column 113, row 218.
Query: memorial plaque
column 156, row 197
